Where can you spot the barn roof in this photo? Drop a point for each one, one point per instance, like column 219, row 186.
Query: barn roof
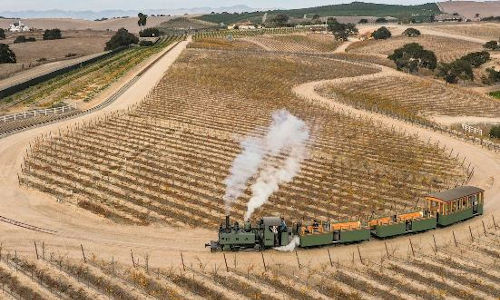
column 456, row 193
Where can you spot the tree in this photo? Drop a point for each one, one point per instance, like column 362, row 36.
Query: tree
column 492, row 76
column 52, row 34
column 476, row 59
column 142, row 19
column 341, row 31
column 495, row 132
column 413, row 56
column 411, row 32
column 458, row 69
column 150, row 32
column 491, row 45
column 363, row 21
column 23, row 39
column 280, row 20
column 122, row 38
column 2, row 34
column 7, row 56
column 381, row 20
column 382, row 33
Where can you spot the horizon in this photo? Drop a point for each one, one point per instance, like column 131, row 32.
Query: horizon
column 136, row 5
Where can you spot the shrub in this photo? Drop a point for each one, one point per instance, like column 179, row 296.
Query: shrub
column 146, row 43
column 341, row 31
column 495, row 132
column 491, row 45
column 363, row 21
column 381, row 20
column 411, row 32
column 23, row 39
column 52, row 34
column 476, row 59
column 413, row 56
column 280, row 20
column 382, row 33
column 122, row 38
column 452, row 72
column 149, row 32
column 492, row 76
column 2, row 34
column 70, row 54
column 7, row 56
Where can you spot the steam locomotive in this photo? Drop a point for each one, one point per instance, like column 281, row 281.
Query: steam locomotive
column 441, row 209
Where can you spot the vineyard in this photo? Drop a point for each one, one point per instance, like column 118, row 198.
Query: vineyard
column 446, row 49
column 298, row 42
column 486, row 31
column 165, row 160
column 246, row 33
column 464, row 267
column 223, row 44
column 82, row 84
column 412, row 98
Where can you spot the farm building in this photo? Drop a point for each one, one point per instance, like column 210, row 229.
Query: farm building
column 456, row 204
column 448, row 18
column 18, row 27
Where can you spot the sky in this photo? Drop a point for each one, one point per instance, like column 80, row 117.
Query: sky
column 96, row 5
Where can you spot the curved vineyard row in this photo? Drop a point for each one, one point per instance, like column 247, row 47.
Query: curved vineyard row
column 166, row 159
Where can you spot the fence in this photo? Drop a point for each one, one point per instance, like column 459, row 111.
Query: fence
column 39, row 112
column 471, row 129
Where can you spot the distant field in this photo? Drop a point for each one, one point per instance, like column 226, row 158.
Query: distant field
column 487, row 31
column 78, row 24
column 352, row 9
column 184, row 23
column 74, row 44
column 223, row 44
column 469, row 9
column 446, row 49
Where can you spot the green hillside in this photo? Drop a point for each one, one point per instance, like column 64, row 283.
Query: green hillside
column 351, row 9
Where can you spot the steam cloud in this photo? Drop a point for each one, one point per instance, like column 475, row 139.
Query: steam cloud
column 291, row 246
column 287, row 135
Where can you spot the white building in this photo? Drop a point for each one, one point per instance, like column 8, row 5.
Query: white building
column 18, row 27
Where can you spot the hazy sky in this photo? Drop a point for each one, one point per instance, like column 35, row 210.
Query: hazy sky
column 151, row 4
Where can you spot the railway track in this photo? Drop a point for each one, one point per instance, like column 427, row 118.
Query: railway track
column 102, row 105
column 26, row 225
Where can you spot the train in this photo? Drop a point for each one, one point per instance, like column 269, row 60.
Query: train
column 441, row 209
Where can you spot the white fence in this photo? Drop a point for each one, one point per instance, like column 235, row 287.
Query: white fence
column 471, row 129
column 38, row 112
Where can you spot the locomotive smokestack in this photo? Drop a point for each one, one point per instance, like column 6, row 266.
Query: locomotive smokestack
column 227, row 221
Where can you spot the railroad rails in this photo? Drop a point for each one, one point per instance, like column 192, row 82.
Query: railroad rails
column 26, row 226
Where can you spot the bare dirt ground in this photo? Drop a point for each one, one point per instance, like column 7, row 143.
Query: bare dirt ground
column 79, row 24
column 163, row 244
column 469, row 9
column 75, row 44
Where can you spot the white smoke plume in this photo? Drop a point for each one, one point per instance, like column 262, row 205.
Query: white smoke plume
column 291, row 246
column 245, row 165
column 287, row 136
